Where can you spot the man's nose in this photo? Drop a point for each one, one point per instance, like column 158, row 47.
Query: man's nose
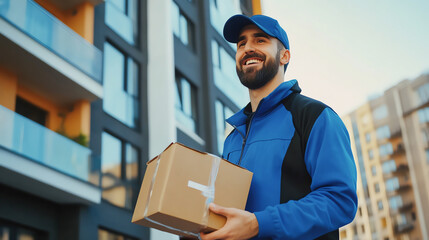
column 248, row 47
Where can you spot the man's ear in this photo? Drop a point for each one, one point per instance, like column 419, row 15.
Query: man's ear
column 284, row 56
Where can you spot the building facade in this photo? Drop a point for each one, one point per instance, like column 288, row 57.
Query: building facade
column 389, row 139
column 90, row 90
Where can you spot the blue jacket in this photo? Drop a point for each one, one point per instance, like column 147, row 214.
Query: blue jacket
column 266, row 143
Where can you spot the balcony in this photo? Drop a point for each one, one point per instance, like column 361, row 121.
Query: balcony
column 401, row 168
column 399, row 150
column 37, row 160
column 403, row 227
column 48, row 56
column 406, row 207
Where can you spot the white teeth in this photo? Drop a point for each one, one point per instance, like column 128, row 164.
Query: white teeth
column 252, row 61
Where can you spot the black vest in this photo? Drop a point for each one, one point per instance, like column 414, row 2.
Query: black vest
column 295, row 180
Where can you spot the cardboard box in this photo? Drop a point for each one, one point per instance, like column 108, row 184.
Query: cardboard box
column 180, row 183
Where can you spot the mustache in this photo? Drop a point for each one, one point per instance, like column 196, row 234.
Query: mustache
column 253, row 55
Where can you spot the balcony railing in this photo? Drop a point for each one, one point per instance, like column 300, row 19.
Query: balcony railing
column 43, row 27
column 404, row 227
column 33, row 141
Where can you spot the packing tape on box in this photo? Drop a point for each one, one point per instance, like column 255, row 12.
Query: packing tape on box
column 207, row 191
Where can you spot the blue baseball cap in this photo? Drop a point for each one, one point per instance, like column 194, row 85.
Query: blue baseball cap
column 270, row 26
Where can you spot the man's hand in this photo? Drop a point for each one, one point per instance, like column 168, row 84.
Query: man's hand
column 239, row 224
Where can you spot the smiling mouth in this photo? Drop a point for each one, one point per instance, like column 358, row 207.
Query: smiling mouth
column 252, row 61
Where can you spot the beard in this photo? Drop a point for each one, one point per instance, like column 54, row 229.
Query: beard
column 255, row 79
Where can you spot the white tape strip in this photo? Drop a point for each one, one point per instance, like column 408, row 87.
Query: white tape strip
column 207, row 191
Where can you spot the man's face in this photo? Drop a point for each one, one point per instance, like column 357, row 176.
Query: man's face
column 257, row 58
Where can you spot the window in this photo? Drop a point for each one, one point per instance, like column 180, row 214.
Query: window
column 383, row 222
column 425, row 135
column 377, row 187
column 108, row 235
column 373, row 170
column 423, row 115
column 380, row 205
column 380, row 112
column 182, row 26
column 392, row 184
column 222, row 113
column 119, row 167
column 368, row 137
column 11, row 231
column 371, row 154
column 383, row 132
column 30, row 111
column 186, row 103
column 121, row 86
column 225, row 76
column 423, row 93
column 395, row 202
column 386, row 149
column 220, row 11
column 389, row 166
column 401, row 219
column 122, row 17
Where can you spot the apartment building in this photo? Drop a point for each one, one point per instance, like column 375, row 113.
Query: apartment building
column 389, row 139
column 89, row 91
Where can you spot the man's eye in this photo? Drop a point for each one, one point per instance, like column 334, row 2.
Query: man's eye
column 241, row 44
column 261, row 40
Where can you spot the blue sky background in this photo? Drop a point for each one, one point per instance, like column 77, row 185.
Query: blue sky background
column 344, row 52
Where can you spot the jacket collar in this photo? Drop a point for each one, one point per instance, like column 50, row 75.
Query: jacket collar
column 267, row 104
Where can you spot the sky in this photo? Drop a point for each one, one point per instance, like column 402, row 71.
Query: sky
column 345, row 52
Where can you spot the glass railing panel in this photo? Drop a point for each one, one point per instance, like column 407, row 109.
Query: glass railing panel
column 43, row 27
column 32, row 140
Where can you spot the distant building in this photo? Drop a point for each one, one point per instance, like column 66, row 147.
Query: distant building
column 89, row 91
column 390, row 141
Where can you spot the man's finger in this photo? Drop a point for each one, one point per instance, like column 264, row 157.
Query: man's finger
column 219, row 234
column 219, row 210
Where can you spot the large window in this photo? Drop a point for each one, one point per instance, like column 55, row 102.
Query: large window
column 423, row 93
column 10, row 231
column 380, row 205
column 109, row 235
column 30, row 111
column 395, row 202
column 182, row 26
column 389, row 166
column 225, row 76
column 374, row 170
column 221, row 10
column 423, row 115
column 371, row 154
column 380, row 112
column 119, row 167
column 222, row 128
column 121, row 17
column 392, row 184
column 386, row 149
column 383, row 132
column 121, row 86
column 186, row 104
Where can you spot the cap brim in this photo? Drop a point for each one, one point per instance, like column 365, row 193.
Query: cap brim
column 235, row 24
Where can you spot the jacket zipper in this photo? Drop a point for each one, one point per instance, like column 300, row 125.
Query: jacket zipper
column 245, row 139
column 247, row 133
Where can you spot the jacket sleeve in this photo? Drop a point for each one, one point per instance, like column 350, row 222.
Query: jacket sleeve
column 332, row 202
